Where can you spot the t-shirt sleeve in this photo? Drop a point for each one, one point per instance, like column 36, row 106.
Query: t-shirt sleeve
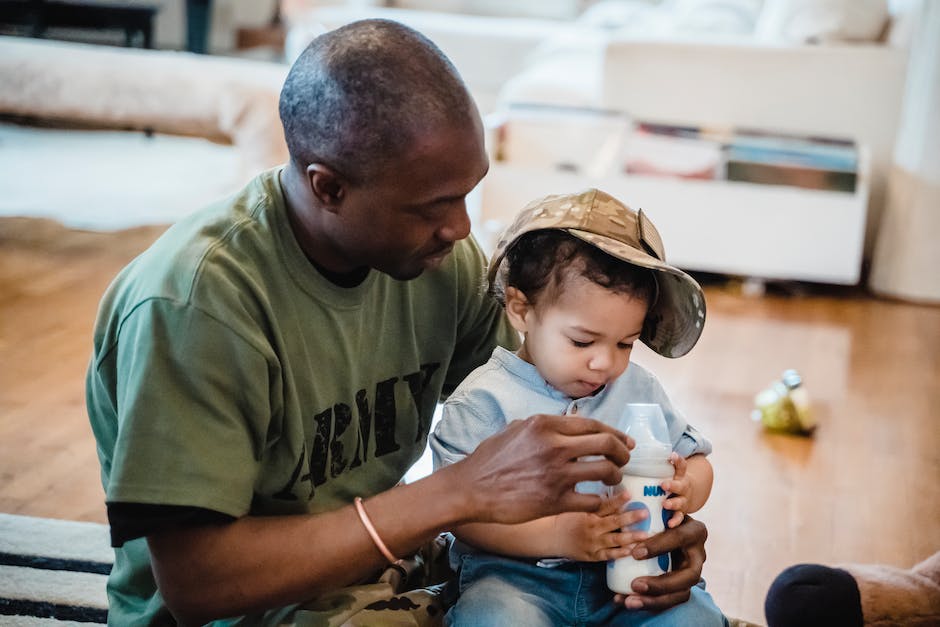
column 129, row 521
column 692, row 442
column 193, row 406
column 482, row 323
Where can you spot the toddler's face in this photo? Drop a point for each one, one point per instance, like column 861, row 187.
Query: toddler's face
column 583, row 339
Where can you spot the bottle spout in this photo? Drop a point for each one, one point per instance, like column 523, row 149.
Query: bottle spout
column 646, row 424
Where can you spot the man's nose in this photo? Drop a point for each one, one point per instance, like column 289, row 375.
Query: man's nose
column 457, row 226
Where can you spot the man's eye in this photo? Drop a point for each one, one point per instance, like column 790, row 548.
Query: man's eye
column 432, row 211
column 436, row 210
column 580, row 344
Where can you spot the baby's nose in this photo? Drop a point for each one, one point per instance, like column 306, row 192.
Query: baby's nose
column 600, row 360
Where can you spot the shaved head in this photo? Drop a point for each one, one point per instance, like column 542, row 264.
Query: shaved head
column 357, row 97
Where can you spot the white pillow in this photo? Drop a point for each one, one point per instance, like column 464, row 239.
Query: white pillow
column 567, row 78
column 716, row 17
column 673, row 17
column 822, row 21
column 618, row 14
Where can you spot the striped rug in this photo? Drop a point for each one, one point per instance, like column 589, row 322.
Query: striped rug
column 53, row 572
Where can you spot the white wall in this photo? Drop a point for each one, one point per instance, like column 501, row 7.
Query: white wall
column 907, row 257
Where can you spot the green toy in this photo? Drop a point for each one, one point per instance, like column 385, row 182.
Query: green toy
column 784, row 406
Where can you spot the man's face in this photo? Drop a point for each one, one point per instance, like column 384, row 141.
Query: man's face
column 407, row 219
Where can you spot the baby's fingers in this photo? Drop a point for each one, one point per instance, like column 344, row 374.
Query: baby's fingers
column 627, row 518
column 614, row 553
column 678, row 461
column 675, row 520
column 613, row 504
column 676, row 502
column 676, row 486
column 627, row 539
column 618, row 544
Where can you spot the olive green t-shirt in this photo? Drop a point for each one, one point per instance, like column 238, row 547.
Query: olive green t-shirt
column 228, row 374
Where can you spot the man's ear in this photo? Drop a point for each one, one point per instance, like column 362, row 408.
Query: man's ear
column 328, row 185
column 518, row 309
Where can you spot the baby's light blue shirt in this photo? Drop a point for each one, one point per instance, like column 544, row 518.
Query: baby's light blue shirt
column 509, row 388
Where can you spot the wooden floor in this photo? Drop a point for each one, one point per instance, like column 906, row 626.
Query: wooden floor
column 866, row 488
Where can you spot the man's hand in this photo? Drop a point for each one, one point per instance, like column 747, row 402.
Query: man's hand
column 687, row 543
column 529, row 470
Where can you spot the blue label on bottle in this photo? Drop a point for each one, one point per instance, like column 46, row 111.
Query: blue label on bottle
column 664, row 562
column 640, row 525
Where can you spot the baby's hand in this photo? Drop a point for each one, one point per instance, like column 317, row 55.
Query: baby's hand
column 679, row 489
column 599, row 535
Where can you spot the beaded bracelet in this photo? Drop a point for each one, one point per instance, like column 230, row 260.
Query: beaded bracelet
column 367, row 523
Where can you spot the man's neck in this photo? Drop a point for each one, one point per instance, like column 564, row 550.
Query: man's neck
column 353, row 278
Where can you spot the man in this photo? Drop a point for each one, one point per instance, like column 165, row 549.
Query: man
column 279, row 354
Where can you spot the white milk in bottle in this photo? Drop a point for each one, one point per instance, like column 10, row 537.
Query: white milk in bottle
column 648, row 467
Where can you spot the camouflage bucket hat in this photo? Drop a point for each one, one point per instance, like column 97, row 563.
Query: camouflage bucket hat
column 677, row 315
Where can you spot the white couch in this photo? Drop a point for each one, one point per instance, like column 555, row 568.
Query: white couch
column 132, row 136
column 839, row 89
column 746, row 67
column 487, row 50
column 852, row 91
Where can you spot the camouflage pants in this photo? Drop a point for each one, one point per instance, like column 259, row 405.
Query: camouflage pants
column 408, row 593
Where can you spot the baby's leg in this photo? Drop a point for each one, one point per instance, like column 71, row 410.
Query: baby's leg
column 495, row 602
column 497, row 591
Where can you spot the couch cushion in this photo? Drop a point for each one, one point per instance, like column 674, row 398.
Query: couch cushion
column 822, row 21
column 225, row 99
column 486, row 50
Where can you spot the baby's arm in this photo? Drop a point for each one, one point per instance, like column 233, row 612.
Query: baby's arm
column 582, row 536
column 531, row 539
column 689, row 488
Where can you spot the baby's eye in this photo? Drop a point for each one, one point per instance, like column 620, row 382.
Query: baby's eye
column 580, row 344
column 625, row 345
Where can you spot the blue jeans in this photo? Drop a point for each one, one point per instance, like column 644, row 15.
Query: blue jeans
column 501, row 591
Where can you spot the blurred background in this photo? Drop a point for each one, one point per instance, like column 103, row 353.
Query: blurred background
column 786, row 149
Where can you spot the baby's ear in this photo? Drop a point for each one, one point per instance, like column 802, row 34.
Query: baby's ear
column 517, row 308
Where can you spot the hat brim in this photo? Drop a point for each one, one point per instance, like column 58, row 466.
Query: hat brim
column 676, row 319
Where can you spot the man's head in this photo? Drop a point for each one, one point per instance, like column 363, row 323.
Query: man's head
column 676, row 314
column 358, row 95
column 385, row 143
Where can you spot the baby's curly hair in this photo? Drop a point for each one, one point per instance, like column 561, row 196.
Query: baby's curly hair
column 540, row 262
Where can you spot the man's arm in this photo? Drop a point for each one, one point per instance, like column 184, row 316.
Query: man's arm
column 525, row 472
column 259, row 563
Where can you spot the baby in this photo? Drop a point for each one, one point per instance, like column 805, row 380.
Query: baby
column 582, row 277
